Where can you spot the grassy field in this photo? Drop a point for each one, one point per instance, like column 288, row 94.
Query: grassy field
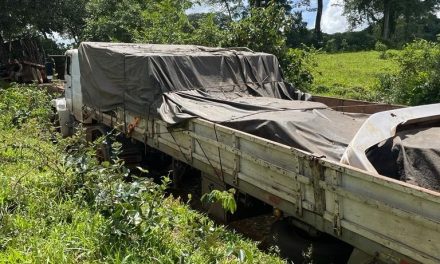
column 351, row 74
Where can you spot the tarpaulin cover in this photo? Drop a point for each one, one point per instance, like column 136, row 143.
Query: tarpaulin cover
column 305, row 125
column 135, row 76
column 411, row 155
column 238, row 88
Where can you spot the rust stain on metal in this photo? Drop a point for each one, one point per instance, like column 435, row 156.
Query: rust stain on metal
column 134, row 124
column 274, row 199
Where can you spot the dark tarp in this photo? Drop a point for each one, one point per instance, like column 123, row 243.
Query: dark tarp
column 135, row 76
column 306, row 125
column 412, row 156
column 240, row 89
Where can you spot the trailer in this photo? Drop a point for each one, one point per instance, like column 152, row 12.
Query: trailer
column 384, row 219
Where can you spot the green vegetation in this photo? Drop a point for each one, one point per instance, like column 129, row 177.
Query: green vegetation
column 418, row 79
column 58, row 204
column 352, row 74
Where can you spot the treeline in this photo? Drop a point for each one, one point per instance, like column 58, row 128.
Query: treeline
column 393, row 22
column 274, row 26
column 259, row 26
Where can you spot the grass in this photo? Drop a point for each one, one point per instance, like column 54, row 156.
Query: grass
column 58, row 204
column 351, row 74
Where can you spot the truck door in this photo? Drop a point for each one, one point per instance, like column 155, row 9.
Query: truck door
column 68, row 81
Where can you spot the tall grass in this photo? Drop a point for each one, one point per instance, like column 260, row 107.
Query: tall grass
column 58, row 204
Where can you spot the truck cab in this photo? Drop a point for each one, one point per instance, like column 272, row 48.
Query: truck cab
column 72, row 87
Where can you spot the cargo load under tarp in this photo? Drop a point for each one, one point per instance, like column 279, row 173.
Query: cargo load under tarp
column 135, row 76
column 412, row 156
column 305, row 125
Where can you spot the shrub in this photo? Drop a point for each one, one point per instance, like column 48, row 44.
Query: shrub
column 382, row 48
column 298, row 67
column 418, row 80
column 331, row 46
column 344, row 45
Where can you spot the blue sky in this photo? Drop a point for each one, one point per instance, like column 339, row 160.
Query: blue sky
column 332, row 19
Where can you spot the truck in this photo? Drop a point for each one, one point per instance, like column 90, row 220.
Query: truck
column 162, row 96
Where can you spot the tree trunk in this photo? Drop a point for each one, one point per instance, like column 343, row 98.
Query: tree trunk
column 228, row 9
column 256, row 3
column 3, row 58
column 386, row 19
column 318, row 21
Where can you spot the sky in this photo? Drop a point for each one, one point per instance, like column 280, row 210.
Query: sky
column 332, row 19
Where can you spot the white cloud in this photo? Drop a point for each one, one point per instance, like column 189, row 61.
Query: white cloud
column 332, row 18
column 61, row 39
column 202, row 8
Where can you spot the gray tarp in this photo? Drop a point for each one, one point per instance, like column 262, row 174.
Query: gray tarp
column 240, row 89
column 306, row 125
column 135, row 76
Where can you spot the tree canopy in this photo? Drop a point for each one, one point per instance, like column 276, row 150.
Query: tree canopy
column 388, row 12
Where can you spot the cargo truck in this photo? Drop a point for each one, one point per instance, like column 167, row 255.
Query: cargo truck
column 346, row 168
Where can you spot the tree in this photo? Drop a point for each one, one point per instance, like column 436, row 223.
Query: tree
column 30, row 17
column 73, row 17
column 318, row 31
column 386, row 12
column 233, row 8
column 265, row 30
column 285, row 4
column 138, row 21
column 209, row 29
column 319, row 8
column 297, row 32
column 261, row 30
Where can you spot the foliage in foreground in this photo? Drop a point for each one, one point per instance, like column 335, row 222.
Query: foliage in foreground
column 59, row 204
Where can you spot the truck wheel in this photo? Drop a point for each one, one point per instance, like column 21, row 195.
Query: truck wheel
column 296, row 245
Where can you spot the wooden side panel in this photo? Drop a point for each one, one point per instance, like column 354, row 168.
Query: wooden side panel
column 354, row 106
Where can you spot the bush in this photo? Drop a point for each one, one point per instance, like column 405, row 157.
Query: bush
column 344, row 45
column 349, row 41
column 331, row 46
column 298, row 67
column 418, row 80
column 382, row 48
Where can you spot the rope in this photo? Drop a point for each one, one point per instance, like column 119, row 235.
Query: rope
column 209, row 161
column 180, row 149
column 219, row 156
